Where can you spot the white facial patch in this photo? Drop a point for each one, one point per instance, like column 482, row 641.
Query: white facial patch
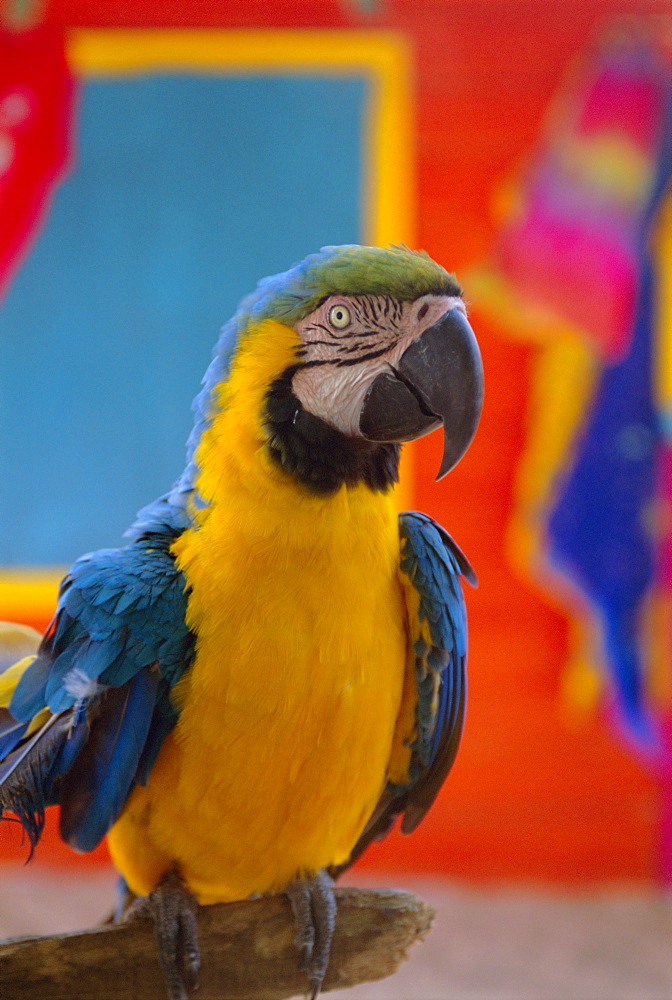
column 348, row 341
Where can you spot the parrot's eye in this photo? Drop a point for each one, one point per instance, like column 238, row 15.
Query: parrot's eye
column 339, row 316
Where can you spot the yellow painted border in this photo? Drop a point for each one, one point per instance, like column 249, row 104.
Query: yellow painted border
column 382, row 58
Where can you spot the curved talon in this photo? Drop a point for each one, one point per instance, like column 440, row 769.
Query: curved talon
column 304, row 939
column 174, row 910
column 314, row 906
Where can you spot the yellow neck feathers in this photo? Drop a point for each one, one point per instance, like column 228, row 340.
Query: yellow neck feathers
column 237, row 473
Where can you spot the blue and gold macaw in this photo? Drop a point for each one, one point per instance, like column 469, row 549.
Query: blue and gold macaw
column 273, row 669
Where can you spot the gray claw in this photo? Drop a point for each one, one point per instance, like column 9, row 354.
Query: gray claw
column 314, row 906
column 174, row 910
column 304, row 939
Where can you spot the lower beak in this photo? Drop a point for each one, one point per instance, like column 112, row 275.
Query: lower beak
column 437, row 381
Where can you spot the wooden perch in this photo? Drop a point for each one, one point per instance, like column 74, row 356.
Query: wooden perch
column 247, row 952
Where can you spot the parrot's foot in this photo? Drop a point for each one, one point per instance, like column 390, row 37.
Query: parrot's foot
column 173, row 910
column 314, row 906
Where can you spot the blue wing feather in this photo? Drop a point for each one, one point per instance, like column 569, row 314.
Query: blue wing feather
column 118, row 643
column 29, row 696
column 434, row 564
column 95, row 788
column 11, row 732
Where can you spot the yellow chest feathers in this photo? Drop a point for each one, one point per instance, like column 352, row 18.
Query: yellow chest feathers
column 288, row 715
column 279, row 576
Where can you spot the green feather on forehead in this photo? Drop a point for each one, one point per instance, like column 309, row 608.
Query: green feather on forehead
column 348, row 270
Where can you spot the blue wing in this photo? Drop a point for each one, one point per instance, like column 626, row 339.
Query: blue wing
column 431, row 566
column 100, row 689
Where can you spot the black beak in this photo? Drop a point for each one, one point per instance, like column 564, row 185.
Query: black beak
column 438, row 380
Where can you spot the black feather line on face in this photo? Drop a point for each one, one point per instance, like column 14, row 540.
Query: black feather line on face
column 359, row 345
column 345, row 362
column 318, row 456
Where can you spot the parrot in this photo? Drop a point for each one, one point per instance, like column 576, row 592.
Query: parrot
column 272, row 671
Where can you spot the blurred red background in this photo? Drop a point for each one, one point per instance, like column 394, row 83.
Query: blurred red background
column 534, row 794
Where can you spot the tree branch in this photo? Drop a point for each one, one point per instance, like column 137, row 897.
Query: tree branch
column 247, row 952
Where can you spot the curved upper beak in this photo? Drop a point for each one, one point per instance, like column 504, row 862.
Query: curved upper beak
column 437, row 381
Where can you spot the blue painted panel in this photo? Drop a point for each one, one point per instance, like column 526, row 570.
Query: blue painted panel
column 186, row 191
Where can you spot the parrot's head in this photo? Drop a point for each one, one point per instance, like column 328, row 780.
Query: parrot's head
column 382, row 353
